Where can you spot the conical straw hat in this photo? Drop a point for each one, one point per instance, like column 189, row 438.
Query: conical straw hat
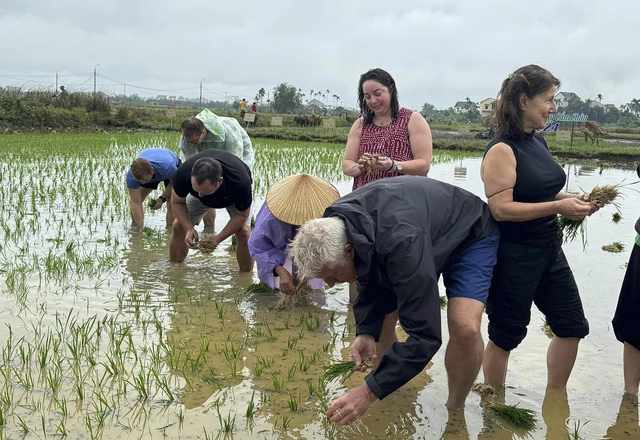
column 301, row 197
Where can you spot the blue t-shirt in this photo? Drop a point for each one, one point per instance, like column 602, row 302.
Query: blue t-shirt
column 165, row 163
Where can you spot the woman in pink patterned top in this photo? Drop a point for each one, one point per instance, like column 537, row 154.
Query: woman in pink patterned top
column 387, row 140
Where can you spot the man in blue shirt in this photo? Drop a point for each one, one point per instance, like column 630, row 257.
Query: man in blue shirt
column 151, row 167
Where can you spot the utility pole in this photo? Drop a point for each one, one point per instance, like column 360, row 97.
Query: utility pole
column 201, row 92
column 57, row 81
column 94, row 78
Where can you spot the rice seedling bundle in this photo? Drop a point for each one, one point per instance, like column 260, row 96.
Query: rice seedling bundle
column 614, row 247
column 206, row 245
column 370, row 167
column 300, row 294
column 152, row 202
column 339, row 370
column 518, row 417
column 599, row 196
column 343, row 370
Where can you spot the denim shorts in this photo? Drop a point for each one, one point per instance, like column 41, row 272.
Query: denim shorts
column 197, row 210
column 468, row 275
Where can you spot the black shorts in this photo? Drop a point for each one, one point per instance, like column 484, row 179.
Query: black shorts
column 626, row 324
column 526, row 274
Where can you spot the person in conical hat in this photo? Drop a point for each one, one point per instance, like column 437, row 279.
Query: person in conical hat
column 290, row 202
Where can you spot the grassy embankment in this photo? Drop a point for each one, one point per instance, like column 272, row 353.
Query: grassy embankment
column 41, row 112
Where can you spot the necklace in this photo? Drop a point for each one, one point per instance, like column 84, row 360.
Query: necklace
column 383, row 123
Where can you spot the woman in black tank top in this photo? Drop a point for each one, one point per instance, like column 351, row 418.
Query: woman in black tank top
column 523, row 185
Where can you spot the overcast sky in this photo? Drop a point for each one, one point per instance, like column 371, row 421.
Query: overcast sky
column 438, row 51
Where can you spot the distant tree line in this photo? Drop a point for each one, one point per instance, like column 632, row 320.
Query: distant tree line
column 623, row 116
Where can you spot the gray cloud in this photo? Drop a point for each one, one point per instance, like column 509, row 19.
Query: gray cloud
column 438, row 51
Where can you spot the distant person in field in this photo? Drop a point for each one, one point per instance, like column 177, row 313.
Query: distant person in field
column 210, row 180
column 207, row 131
column 290, row 202
column 151, row 167
column 254, row 110
column 243, row 107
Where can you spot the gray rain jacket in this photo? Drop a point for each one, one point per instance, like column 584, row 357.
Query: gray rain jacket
column 404, row 231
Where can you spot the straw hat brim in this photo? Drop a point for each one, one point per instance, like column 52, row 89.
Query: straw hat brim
column 299, row 198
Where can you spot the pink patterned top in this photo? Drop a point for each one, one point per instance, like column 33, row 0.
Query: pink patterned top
column 391, row 141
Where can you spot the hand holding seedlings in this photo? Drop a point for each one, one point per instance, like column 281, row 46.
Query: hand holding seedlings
column 363, row 352
column 206, row 245
column 191, row 238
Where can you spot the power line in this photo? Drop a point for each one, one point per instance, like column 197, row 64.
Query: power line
column 90, row 76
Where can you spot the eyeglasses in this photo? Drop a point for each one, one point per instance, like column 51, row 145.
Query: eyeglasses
column 195, row 140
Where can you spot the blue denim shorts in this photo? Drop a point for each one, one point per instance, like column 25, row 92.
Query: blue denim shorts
column 468, row 275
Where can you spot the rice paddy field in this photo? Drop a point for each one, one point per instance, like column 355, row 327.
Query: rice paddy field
column 102, row 338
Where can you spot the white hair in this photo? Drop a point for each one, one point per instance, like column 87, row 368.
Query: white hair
column 319, row 244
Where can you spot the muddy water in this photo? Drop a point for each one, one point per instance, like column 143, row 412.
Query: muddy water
column 181, row 350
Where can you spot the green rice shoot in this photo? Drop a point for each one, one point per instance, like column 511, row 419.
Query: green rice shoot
column 518, row 417
column 258, row 288
column 151, row 202
column 339, row 370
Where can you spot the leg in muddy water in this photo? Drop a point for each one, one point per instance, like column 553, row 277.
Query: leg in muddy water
column 555, row 411
column 388, row 335
column 495, row 365
column 561, row 356
column 631, row 361
column 210, row 220
column 245, row 261
column 465, row 349
column 169, row 216
column 178, row 249
column 353, row 292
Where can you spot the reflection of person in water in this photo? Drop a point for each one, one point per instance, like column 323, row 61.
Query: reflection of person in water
column 626, row 424
column 555, row 412
column 290, row 202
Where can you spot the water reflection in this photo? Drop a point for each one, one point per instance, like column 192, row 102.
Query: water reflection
column 626, row 423
column 67, row 251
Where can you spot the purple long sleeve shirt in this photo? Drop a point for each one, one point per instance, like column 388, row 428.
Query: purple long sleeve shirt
column 268, row 244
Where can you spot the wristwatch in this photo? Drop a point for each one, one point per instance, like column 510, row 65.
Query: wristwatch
column 399, row 166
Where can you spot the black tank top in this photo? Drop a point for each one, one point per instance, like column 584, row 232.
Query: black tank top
column 538, row 179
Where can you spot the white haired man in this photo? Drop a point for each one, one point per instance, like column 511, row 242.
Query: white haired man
column 395, row 237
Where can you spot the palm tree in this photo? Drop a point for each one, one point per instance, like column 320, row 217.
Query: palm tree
column 327, row 95
column 636, row 105
column 599, row 97
column 261, row 94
